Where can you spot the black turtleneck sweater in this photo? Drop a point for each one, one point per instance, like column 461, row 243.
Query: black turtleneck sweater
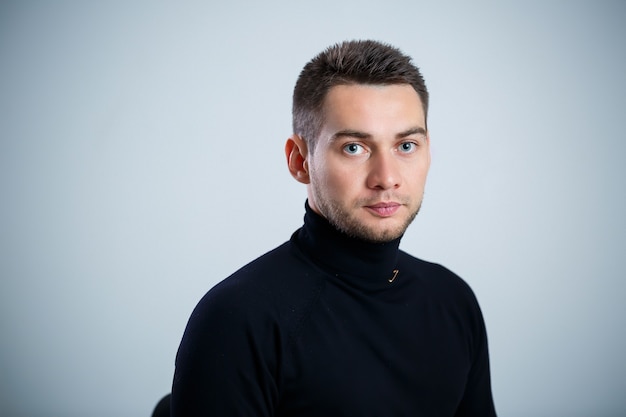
column 320, row 327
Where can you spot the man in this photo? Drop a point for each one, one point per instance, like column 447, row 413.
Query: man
column 338, row 321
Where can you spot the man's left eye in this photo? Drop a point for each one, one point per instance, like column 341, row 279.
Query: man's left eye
column 407, row 147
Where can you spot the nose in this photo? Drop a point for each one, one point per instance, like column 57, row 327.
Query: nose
column 383, row 172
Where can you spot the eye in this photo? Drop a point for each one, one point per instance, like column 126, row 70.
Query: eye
column 407, row 147
column 353, row 149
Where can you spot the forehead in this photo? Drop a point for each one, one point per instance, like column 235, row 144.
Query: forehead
column 365, row 106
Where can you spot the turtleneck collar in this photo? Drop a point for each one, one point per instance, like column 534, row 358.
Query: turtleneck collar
column 366, row 262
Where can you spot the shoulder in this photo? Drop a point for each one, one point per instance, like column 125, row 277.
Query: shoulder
column 266, row 277
column 438, row 280
column 237, row 333
column 270, row 290
column 447, row 296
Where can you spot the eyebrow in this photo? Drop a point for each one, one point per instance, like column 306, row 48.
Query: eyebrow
column 350, row 133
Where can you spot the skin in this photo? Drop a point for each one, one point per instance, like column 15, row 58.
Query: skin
column 368, row 169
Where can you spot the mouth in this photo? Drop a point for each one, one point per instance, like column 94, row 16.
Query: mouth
column 387, row 209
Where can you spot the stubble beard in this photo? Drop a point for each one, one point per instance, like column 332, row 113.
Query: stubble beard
column 345, row 221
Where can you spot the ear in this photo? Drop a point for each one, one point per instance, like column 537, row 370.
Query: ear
column 428, row 145
column 296, row 152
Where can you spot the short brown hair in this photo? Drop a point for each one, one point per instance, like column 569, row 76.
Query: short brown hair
column 350, row 62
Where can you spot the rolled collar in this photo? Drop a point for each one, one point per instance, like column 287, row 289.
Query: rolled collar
column 344, row 256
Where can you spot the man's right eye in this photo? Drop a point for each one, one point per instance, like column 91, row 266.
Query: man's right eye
column 353, row 149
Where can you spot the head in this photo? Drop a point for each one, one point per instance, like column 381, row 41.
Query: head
column 360, row 142
column 352, row 62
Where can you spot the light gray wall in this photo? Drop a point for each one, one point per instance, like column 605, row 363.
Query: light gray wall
column 141, row 162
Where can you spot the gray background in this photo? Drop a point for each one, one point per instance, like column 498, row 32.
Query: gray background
column 141, row 162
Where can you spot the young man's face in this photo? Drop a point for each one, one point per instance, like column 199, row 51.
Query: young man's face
column 368, row 169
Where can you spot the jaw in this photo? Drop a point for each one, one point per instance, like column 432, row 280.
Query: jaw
column 368, row 226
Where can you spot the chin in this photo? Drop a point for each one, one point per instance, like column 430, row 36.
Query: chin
column 372, row 234
column 386, row 236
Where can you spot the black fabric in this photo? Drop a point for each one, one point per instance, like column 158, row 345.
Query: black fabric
column 316, row 328
column 162, row 408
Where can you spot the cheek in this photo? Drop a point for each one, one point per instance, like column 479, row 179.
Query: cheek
column 335, row 183
column 417, row 177
column 334, row 178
